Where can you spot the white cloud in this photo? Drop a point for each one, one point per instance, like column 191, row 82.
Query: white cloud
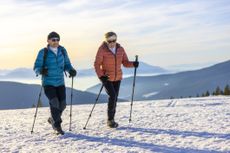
column 145, row 26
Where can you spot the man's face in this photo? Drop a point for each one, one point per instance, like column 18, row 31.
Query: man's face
column 53, row 42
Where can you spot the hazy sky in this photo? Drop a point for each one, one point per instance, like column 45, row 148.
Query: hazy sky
column 163, row 33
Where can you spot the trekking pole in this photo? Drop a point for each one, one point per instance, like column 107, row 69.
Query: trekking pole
column 93, row 107
column 35, row 115
column 71, row 103
column 134, row 82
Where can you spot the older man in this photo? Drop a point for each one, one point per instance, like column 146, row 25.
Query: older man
column 52, row 61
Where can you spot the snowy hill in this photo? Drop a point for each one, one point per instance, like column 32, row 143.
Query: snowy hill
column 170, row 126
column 15, row 95
column 189, row 83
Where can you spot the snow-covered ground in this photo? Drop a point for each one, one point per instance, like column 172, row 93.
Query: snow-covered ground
column 179, row 125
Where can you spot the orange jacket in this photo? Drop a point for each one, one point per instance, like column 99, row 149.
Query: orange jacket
column 107, row 63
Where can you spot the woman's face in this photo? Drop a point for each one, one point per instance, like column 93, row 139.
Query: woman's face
column 111, row 41
column 111, row 45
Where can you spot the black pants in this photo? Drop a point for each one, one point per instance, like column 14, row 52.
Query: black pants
column 57, row 101
column 112, row 89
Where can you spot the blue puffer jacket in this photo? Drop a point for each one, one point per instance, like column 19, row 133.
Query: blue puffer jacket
column 56, row 65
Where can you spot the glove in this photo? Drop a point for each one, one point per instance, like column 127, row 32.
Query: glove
column 44, row 71
column 136, row 64
column 104, row 78
column 72, row 73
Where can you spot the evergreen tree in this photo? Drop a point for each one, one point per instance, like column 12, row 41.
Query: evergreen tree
column 207, row 94
column 227, row 90
column 213, row 93
column 221, row 92
column 218, row 91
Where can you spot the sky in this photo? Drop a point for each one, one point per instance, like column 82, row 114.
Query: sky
column 162, row 33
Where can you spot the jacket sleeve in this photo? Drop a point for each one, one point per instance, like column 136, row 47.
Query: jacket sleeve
column 125, row 61
column 98, row 63
column 67, row 64
column 39, row 62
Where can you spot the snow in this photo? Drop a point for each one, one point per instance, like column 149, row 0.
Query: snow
column 168, row 126
column 150, row 94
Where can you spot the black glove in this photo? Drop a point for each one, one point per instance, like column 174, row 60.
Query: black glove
column 104, row 78
column 136, row 64
column 44, row 71
column 72, row 73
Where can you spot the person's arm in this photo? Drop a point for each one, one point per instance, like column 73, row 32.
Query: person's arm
column 98, row 64
column 67, row 64
column 125, row 61
column 39, row 62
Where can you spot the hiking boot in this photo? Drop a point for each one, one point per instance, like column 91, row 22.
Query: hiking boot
column 59, row 131
column 112, row 124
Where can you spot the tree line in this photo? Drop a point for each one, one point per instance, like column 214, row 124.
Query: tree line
column 217, row 91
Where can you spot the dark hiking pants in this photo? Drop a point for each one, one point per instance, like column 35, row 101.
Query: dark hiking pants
column 112, row 89
column 57, row 101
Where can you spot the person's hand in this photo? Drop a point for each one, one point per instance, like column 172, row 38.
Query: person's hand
column 104, row 78
column 72, row 73
column 136, row 64
column 44, row 71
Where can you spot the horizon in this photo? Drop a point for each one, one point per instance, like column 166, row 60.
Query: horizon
column 156, row 31
column 177, row 68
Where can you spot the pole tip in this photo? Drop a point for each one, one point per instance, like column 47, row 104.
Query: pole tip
column 84, row 128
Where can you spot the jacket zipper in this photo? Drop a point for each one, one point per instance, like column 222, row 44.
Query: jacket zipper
column 115, row 59
column 115, row 55
column 115, row 67
column 56, row 60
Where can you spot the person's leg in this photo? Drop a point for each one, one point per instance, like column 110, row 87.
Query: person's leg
column 51, row 93
column 111, row 100
column 116, row 86
column 61, row 94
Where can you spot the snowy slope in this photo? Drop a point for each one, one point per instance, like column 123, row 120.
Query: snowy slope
column 179, row 125
column 185, row 84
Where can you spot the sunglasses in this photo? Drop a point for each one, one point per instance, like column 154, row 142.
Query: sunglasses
column 111, row 41
column 55, row 39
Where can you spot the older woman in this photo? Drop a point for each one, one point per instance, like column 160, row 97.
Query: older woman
column 110, row 56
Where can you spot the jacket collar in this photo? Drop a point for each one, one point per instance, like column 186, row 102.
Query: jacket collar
column 59, row 48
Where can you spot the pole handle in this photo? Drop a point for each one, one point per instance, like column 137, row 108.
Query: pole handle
column 136, row 58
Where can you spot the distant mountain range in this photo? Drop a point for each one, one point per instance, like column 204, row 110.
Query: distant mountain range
column 189, row 83
column 144, row 69
column 18, row 73
column 189, row 67
column 17, row 95
column 29, row 73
